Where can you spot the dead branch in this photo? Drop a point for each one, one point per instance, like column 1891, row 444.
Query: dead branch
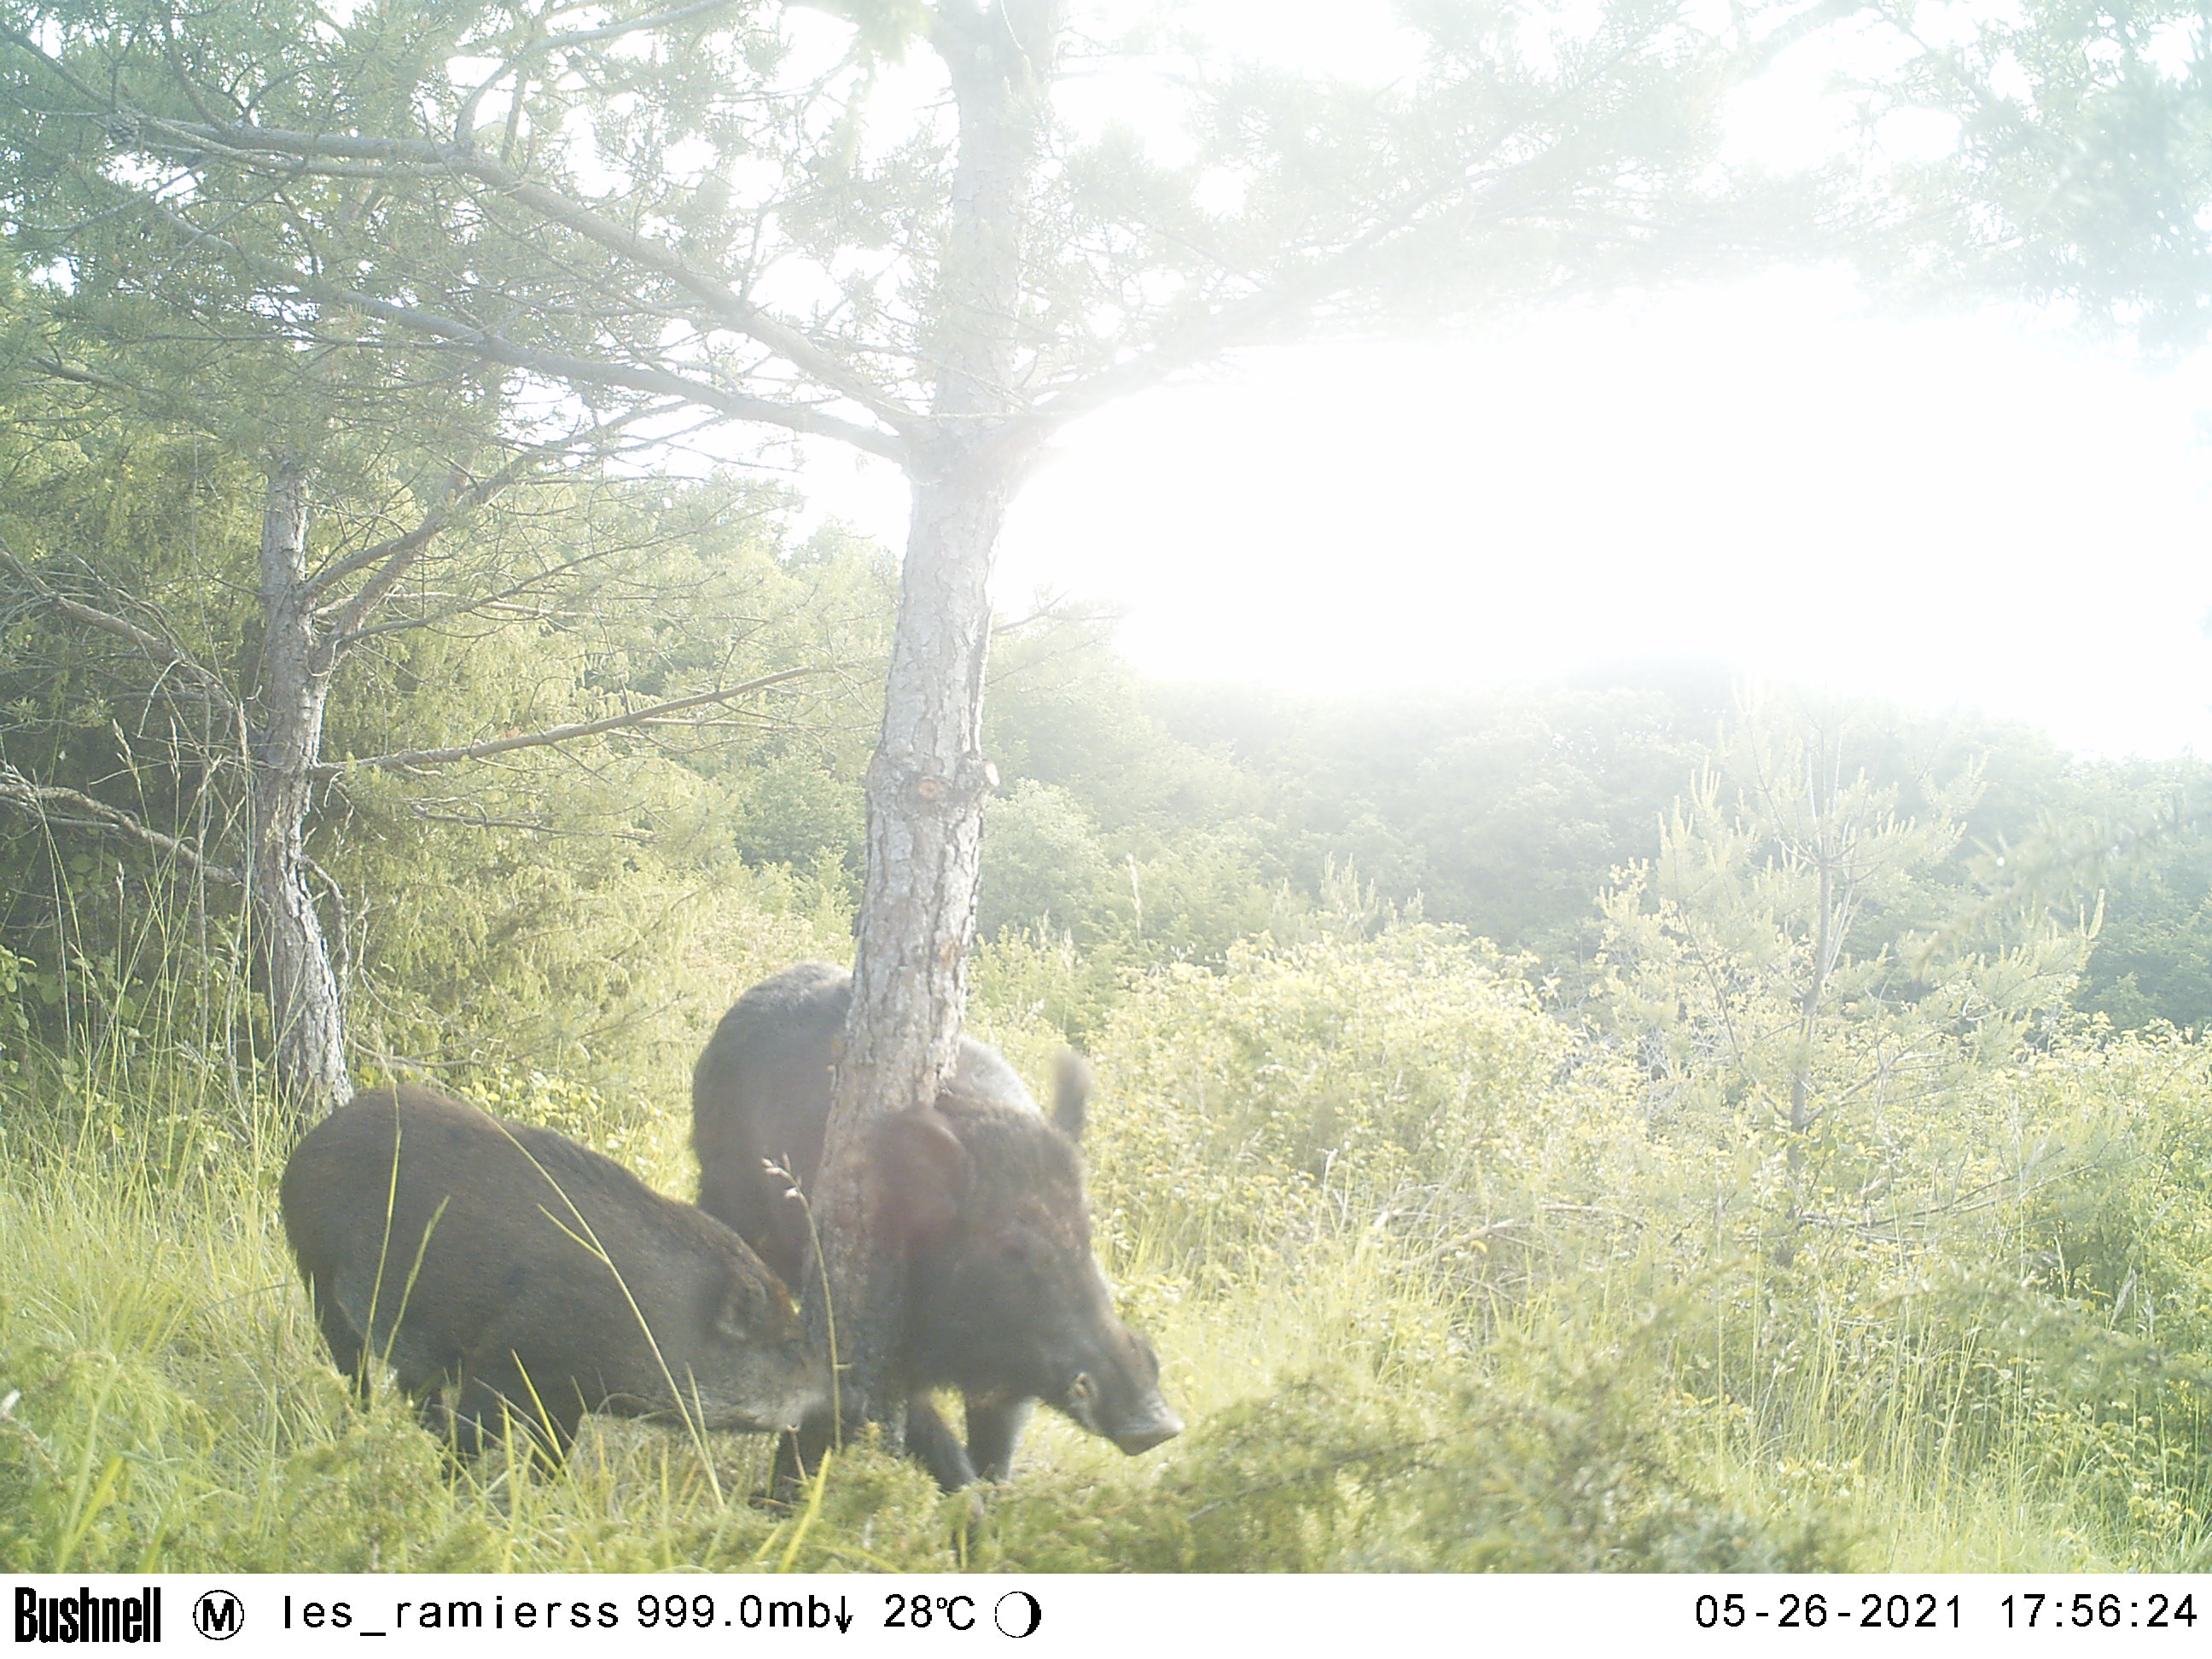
column 152, row 644
column 36, row 797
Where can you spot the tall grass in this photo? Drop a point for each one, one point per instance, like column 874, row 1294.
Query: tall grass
column 175, row 1410
column 1557, row 1356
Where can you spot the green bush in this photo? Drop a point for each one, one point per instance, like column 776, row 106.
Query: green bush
column 1411, row 1078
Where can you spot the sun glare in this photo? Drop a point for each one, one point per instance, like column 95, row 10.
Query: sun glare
column 1942, row 510
column 1962, row 510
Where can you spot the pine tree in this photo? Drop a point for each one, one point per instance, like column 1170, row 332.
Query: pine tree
column 916, row 234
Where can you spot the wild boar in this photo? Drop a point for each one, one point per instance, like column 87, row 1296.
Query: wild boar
column 540, row 1278
column 1006, row 1301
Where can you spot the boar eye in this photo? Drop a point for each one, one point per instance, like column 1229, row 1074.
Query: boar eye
column 1083, row 1389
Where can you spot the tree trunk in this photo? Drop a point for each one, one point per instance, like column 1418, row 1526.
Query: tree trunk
column 928, row 781
column 926, row 789
column 304, row 1007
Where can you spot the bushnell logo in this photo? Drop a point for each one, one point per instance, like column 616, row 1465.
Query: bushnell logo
column 85, row 1617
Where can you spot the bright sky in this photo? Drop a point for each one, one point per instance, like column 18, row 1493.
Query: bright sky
column 1944, row 511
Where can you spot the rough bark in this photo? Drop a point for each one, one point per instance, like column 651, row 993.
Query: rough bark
column 304, row 1007
column 926, row 787
column 928, row 781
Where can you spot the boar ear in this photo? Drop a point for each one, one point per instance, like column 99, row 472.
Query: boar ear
column 925, row 1171
column 1071, row 1085
column 745, row 1306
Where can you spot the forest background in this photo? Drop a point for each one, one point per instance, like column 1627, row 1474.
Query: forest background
column 1650, row 1121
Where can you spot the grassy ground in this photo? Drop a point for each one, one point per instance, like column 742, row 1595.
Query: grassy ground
column 164, row 1404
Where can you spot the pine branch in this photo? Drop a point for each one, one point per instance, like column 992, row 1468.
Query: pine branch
column 397, row 555
column 170, row 407
column 404, row 546
column 711, row 289
column 498, row 601
column 553, row 734
column 348, row 627
column 554, row 365
column 464, row 122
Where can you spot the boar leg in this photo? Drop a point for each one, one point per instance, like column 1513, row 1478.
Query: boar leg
column 478, row 1417
column 930, row 1441
column 994, row 1427
column 798, row 1454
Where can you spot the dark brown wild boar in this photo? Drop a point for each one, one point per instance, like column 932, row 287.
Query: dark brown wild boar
column 541, row 1279
column 1006, row 1302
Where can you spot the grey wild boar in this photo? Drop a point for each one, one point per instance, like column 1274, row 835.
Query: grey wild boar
column 1007, row 1302
column 537, row 1277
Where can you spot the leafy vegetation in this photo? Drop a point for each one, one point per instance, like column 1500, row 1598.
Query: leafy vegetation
column 1458, row 1258
column 1640, row 1124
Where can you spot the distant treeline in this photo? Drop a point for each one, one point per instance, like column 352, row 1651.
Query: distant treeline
column 1509, row 811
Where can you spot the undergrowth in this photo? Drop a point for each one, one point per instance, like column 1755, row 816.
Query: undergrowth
column 1573, row 1347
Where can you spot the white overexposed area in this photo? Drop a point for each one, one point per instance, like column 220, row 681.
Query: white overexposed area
column 1972, row 508
column 1952, row 510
